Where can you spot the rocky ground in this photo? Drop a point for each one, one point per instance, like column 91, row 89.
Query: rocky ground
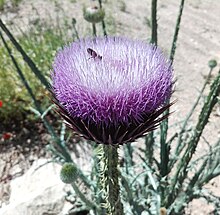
column 198, row 42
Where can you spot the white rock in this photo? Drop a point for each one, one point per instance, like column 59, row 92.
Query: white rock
column 37, row 192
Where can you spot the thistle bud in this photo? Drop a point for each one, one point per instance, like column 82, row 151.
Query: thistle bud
column 212, row 64
column 93, row 14
column 68, row 173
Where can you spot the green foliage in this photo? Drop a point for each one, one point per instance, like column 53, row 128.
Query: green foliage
column 42, row 39
column 16, row 2
column 2, row 3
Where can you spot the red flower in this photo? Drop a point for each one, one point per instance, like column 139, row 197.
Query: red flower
column 6, row 136
column 1, row 103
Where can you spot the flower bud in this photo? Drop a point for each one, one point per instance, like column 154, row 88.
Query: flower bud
column 68, row 173
column 93, row 14
column 212, row 64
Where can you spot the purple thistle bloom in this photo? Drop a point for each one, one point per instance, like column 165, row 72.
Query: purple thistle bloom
column 111, row 89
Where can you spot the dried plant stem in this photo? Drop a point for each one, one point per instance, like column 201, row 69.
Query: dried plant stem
column 109, row 179
column 154, row 21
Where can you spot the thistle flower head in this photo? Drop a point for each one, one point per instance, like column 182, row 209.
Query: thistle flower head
column 111, row 89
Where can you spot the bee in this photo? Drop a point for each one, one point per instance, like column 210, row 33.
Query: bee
column 94, row 54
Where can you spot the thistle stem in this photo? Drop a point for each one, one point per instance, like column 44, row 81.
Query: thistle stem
column 94, row 29
column 87, row 202
column 154, row 22
column 109, row 179
column 175, row 37
column 103, row 22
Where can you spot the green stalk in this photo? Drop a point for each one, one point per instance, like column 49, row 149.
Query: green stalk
column 154, row 22
column 109, row 179
column 84, row 199
column 164, row 124
column 26, row 58
column 177, row 28
column 182, row 166
column 180, row 143
column 57, row 144
column 94, row 29
column 164, row 146
column 164, row 160
column 74, row 28
column 149, row 148
column 128, row 154
column 103, row 22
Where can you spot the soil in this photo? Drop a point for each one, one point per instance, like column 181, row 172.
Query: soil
column 198, row 42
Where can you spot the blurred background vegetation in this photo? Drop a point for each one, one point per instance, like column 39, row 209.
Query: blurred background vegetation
column 40, row 40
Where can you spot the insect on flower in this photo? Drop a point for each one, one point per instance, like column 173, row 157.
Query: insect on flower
column 94, row 54
column 117, row 101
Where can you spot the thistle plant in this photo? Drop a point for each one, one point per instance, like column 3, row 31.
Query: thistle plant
column 111, row 91
column 111, row 97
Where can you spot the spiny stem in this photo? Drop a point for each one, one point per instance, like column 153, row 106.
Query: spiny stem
column 182, row 166
column 164, row 124
column 165, row 151
column 109, row 176
column 180, row 146
column 175, row 37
